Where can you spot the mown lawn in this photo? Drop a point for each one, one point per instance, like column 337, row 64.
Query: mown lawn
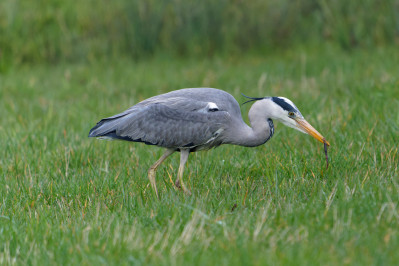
column 67, row 199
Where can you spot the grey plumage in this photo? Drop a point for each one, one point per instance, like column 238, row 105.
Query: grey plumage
column 178, row 119
column 194, row 119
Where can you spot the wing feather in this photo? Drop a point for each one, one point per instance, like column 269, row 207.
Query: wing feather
column 172, row 123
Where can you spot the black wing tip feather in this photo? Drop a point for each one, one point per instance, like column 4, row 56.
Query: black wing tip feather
column 92, row 131
column 113, row 135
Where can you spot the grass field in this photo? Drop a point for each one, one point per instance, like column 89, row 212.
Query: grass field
column 67, row 199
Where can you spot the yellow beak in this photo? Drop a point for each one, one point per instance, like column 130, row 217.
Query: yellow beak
column 305, row 126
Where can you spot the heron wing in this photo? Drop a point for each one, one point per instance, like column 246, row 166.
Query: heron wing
column 173, row 122
column 193, row 99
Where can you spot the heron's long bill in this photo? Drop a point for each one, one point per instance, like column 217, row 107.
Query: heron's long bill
column 305, row 126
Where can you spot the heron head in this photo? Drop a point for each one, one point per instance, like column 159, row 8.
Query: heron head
column 287, row 113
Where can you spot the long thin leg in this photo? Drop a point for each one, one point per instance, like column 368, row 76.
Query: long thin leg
column 153, row 169
column 183, row 159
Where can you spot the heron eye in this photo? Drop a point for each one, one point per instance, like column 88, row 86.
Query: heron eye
column 291, row 114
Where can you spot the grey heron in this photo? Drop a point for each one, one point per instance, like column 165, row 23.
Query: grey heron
column 190, row 120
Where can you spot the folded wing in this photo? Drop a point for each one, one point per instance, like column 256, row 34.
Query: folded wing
column 176, row 122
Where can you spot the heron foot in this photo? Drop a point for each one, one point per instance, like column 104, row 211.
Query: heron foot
column 151, row 177
column 180, row 187
column 153, row 168
column 177, row 184
column 187, row 191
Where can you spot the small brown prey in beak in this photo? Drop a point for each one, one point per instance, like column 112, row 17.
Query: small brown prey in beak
column 306, row 127
column 325, row 151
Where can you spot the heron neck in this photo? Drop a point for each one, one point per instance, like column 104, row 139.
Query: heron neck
column 261, row 129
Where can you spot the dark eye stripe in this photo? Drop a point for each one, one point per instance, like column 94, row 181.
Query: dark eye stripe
column 286, row 106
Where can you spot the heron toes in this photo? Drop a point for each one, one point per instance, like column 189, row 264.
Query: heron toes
column 179, row 187
column 187, row 192
column 151, row 177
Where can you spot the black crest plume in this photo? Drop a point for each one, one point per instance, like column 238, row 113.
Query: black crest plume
column 252, row 99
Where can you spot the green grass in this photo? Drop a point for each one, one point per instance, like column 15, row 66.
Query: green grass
column 58, row 30
column 67, row 199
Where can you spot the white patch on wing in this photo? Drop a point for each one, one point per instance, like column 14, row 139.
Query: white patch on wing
column 212, row 107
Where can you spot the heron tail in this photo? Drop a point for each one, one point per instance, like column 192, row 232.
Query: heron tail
column 105, row 128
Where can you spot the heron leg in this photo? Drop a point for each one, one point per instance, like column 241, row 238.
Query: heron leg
column 183, row 159
column 153, row 169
